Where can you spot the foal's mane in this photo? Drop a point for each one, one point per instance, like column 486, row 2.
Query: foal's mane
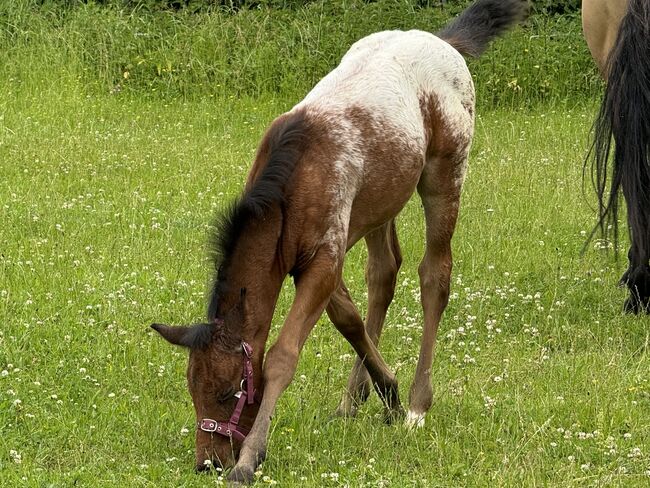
column 278, row 154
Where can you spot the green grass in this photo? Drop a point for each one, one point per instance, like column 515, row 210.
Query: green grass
column 105, row 204
column 106, row 196
column 98, row 49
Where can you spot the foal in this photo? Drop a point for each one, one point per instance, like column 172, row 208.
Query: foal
column 396, row 115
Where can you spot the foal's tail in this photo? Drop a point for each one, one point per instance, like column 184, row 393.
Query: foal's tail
column 625, row 115
column 484, row 20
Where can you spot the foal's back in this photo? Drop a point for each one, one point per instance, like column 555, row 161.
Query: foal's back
column 388, row 73
column 382, row 109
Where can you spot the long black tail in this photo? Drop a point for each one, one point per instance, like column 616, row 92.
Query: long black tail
column 484, row 20
column 625, row 116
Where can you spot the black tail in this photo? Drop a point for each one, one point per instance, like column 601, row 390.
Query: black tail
column 484, row 20
column 625, row 115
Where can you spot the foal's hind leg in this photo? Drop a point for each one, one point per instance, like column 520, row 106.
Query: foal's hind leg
column 439, row 189
column 384, row 260
column 345, row 316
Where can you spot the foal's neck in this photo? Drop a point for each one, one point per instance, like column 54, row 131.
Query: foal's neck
column 257, row 269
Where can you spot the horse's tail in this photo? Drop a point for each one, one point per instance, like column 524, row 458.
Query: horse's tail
column 625, row 115
column 484, row 20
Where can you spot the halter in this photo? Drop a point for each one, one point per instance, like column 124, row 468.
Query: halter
column 248, row 395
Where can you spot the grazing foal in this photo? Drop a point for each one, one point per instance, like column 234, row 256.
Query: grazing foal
column 396, row 115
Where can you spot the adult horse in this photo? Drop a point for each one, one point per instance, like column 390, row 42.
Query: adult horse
column 397, row 114
column 618, row 35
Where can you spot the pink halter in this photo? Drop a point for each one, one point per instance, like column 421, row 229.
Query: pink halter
column 249, row 395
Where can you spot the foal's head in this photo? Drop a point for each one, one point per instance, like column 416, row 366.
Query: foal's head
column 218, row 362
column 246, row 235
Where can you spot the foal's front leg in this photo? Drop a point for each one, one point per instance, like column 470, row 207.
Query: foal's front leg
column 313, row 290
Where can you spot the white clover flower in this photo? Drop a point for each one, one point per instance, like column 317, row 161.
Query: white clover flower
column 15, row 456
column 635, row 452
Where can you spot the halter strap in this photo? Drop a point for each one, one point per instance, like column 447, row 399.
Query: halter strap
column 248, row 372
column 248, row 396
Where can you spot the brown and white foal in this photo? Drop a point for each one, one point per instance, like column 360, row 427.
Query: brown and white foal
column 396, row 115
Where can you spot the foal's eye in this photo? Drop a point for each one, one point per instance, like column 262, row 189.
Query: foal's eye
column 224, row 396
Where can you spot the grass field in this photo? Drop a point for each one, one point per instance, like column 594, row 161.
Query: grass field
column 106, row 201
column 109, row 184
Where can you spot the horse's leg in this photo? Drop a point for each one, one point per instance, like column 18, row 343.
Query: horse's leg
column 313, row 289
column 384, row 260
column 439, row 189
column 637, row 278
column 619, row 30
column 345, row 316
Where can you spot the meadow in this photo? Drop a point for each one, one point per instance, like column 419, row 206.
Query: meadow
column 106, row 199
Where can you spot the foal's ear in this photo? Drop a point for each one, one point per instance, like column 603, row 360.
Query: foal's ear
column 193, row 336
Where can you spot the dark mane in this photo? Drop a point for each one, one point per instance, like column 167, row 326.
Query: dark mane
column 283, row 145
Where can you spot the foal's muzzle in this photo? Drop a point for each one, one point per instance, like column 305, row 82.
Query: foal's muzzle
column 247, row 395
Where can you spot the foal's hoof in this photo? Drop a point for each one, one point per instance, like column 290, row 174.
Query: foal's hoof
column 394, row 415
column 345, row 411
column 241, row 476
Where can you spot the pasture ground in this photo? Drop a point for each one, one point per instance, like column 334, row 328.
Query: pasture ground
column 105, row 203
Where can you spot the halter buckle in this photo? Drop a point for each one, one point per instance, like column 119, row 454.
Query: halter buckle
column 209, row 425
